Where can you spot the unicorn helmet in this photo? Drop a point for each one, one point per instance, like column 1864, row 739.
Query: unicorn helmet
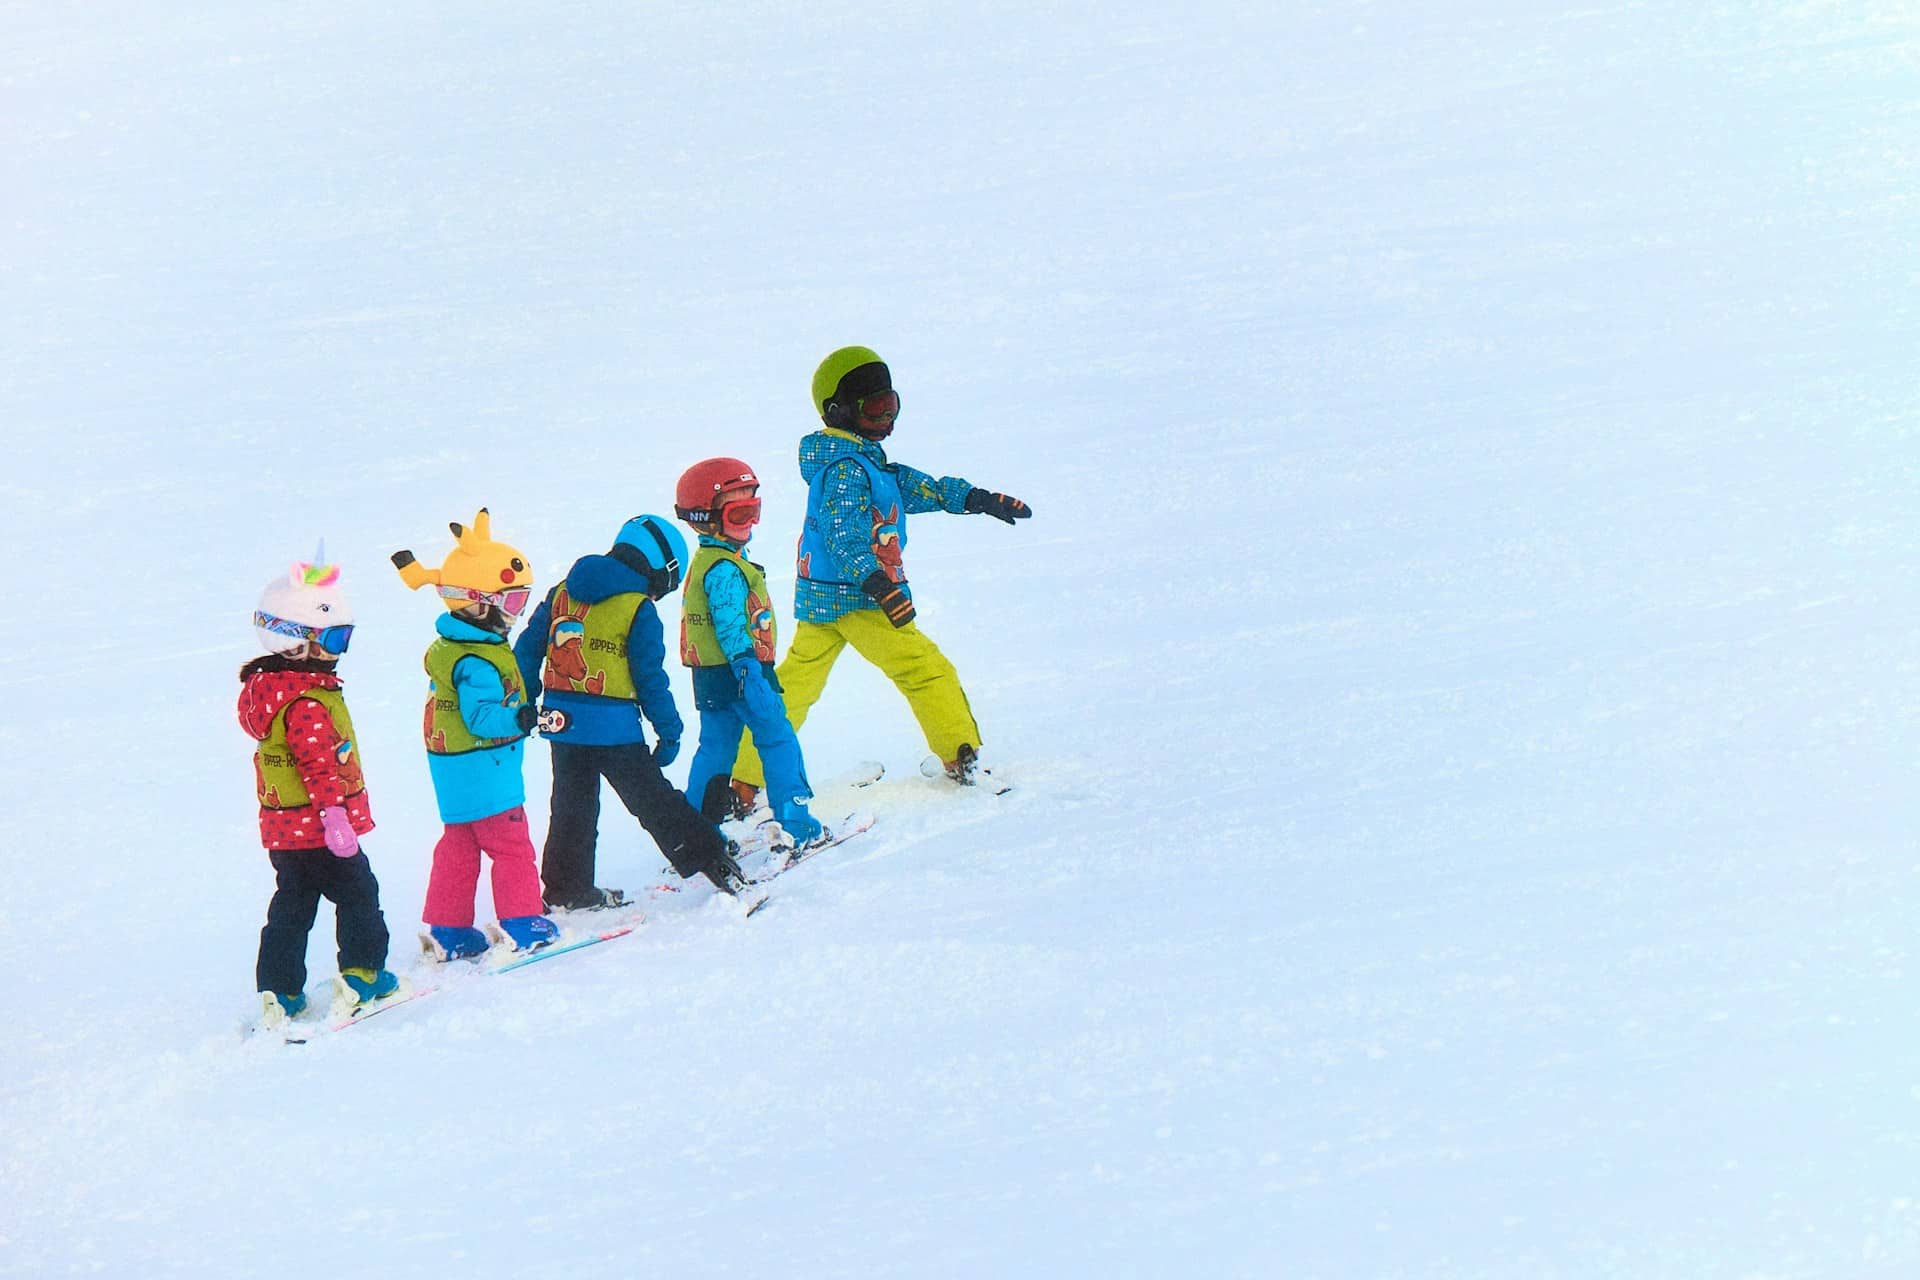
column 302, row 603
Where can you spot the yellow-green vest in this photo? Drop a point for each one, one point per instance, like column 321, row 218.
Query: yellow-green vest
column 699, row 642
column 278, row 778
column 445, row 730
column 587, row 645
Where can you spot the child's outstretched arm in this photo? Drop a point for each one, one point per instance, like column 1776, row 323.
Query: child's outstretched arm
column 923, row 493
column 647, row 664
column 956, row 496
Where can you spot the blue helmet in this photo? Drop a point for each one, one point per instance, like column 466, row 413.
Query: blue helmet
column 654, row 549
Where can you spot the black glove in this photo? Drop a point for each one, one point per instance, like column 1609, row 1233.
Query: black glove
column 527, row 716
column 998, row 505
column 887, row 594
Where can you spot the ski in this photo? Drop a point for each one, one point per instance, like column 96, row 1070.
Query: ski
column 770, row 837
column 307, row 1027
column 846, row 829
column 360, row 1013
column 753, row 910
column 559, row 949
column 863, row 774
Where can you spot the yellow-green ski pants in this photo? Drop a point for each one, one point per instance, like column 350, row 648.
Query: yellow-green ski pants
column 904, row 655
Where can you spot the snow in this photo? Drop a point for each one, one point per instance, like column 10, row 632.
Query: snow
column 1460, row 675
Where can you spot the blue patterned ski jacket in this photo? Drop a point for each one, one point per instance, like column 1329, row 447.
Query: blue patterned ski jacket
column 840, row 508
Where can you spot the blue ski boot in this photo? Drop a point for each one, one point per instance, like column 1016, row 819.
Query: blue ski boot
column 529, row 933
column 367, row 985
column 277, row 1010
column 452, row 942
column 802, row 828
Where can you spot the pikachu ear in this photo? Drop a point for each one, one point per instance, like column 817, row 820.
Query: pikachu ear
column 483, row 525
column 412, row 573
column 459, row 530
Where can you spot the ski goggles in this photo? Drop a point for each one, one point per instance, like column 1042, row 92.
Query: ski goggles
column 741, row 513
column 512, row 601
column 332, row 639
column 878, row 409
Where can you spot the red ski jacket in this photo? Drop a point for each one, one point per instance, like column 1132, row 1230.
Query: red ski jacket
column 267, row 685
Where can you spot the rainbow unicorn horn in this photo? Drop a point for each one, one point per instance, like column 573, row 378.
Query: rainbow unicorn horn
column 318, row 573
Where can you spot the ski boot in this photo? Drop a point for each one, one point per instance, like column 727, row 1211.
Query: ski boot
column 453, row 942
column 801, row 827
column 746, row 798
column 794, row 832
column 530, row 933
column 594, row 899
column 277, row 1010
column 966, row 770
column 964, row 765
column 720, row 803
column 355, row 989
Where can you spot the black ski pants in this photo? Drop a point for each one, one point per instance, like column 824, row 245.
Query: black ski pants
column 304, row 877
column 690, row 842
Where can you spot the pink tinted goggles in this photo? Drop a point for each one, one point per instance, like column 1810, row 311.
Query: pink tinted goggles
column 512, row 601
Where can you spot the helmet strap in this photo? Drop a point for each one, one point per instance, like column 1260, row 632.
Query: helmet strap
column 660, row 582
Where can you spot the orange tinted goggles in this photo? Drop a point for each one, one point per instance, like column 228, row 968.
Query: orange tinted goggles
column 881, row 406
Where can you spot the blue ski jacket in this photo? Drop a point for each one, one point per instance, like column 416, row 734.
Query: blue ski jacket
column 478, row 784
column 606, row 722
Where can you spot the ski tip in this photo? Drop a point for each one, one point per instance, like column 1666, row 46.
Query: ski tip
column 755, row 909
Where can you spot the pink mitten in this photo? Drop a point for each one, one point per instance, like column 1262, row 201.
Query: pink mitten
column 341, row 841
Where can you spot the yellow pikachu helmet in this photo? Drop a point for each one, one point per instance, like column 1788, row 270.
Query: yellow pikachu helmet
column 478, row 571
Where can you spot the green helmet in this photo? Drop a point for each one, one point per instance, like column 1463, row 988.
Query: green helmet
column 836, row 368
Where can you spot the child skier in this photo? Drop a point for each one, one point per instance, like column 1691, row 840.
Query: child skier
column 852, row 581
column 727, row 633
column 476, row 720
column 599, row 639
column 313, row 796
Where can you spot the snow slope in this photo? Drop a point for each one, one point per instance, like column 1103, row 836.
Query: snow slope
column 1460, row 674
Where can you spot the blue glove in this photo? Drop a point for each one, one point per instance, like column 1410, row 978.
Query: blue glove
column 744, row 667
column 664, row 750
column 762, row 702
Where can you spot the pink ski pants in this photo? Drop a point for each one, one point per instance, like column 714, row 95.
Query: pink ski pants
column 456, row 870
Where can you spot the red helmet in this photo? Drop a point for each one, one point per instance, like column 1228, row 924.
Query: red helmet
column 702, row 483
